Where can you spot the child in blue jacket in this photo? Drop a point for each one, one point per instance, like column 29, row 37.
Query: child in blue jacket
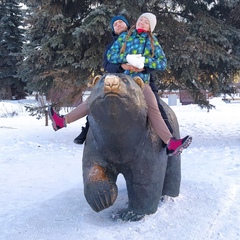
column 142, row 51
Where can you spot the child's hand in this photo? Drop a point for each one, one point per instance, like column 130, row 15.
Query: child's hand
column 131, row 68
column 137, row 69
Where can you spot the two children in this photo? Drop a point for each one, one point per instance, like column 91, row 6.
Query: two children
column 139, row 49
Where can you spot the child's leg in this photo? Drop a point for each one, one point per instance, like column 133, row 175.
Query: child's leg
column 77, row 113
column 174, row 146
column 80, row 139
column 154, row 115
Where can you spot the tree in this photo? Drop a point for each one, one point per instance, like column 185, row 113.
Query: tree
column 201, row 48
column 67, row 39
column 54, row 63
column 11, row 42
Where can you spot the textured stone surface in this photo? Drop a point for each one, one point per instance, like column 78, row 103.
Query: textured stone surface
column 121, row 140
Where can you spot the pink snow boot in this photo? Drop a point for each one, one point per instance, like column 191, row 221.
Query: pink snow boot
column 176, row 146
column 58, row 122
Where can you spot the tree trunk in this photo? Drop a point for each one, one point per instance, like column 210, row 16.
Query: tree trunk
column 5, row 93
column 46, row 118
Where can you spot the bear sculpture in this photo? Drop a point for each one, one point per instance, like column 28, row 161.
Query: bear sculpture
column 121, row 140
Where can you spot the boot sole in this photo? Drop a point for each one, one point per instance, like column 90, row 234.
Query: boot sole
column 179, row 150
column 78, row 142
column 53, row 122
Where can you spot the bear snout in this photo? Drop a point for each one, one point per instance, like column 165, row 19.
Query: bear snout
column 111, row 83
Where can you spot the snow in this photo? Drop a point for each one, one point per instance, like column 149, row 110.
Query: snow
column 41, row 186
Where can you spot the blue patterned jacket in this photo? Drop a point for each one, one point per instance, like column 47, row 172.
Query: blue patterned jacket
column 138, row 44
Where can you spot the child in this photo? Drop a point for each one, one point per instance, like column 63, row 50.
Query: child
column 142, row 50
column 118, row 25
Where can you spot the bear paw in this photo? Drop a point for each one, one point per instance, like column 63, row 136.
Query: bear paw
column 100, row 195
column 129, row 215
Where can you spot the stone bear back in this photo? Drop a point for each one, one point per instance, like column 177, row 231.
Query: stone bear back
column 118, row 117
column 121, row 140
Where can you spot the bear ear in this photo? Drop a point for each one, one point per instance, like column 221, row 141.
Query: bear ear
column 139, row 82
column 94, row 81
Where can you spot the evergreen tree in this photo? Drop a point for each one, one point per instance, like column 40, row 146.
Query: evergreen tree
column 201, row 48
column 11, row 42
column 52, row 64
column 67, row 39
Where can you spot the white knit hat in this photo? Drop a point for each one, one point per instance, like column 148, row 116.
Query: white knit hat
column 152, row 20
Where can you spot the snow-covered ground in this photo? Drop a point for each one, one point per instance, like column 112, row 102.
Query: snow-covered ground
column 41, row 187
